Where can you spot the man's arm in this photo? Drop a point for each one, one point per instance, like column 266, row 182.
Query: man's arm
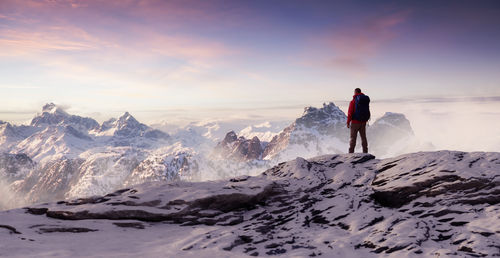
column 350, row 112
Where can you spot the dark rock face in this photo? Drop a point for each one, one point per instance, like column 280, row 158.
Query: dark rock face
column 279, row 142
column 229, row 138
column 239, row 149
column 11, row 229
column 15, row 166
column 66, row 230
column 136, row 225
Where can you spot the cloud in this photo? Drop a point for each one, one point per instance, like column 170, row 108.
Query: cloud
column 131, row 45
column 141, row 27
column 452, row 99
column 19, row 87
column 22, row 44
column 351, row 47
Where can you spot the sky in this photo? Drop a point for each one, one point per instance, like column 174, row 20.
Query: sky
column 188, row 60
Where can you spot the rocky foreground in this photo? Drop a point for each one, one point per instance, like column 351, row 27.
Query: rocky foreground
column 434, row 204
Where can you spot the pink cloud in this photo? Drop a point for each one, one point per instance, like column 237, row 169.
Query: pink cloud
column 351, row 47
column 41, row 39
column 91, row 25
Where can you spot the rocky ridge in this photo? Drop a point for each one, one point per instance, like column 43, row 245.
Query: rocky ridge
column 429, row 203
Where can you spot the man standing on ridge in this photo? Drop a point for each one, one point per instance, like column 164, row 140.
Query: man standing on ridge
column 358, row 115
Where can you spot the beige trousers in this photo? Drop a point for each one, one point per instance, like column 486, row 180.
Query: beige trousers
column 361, row 128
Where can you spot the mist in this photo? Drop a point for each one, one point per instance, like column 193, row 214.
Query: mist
column 8, row 199
column 461, row 125
column 444, row 124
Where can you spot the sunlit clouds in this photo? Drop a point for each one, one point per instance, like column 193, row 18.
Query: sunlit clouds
column 139, row 55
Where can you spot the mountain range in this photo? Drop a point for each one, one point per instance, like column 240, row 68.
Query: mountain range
column 62, row 156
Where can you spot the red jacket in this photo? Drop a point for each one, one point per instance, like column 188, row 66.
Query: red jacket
column 351, row 111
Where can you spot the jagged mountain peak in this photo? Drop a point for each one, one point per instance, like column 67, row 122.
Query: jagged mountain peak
column 326, row 115
column 126, row 128
column 328, row 107
column 230, row 137
column 53, row 108
column 126, row 116
column 127, row 125
column 397, row 120
column 53, row 114
column 127, row 120
column 238, row 148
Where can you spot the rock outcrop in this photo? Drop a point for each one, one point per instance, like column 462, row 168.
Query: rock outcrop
column 238, row 148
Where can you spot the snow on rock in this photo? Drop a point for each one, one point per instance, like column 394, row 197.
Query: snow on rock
column 48, row 181
column 318, row 131
column 54, row 115
column 102, row 172
column 11, row 135
column 73, row 156
column 411, row 176
column 238, row 148
column 127, row 131
column 170, row 166
column 54, row 142
column 422, row 204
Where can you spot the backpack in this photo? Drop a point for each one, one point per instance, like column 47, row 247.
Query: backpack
column 361, row 108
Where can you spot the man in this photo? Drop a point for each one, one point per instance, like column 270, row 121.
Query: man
column 358, row 115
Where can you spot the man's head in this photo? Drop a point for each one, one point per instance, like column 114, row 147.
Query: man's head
column 357, row 90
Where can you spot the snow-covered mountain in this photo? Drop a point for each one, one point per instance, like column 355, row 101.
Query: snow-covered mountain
column 392, row 135
column 127, row 126
column 317, row 131
column 73, row 156
column 427, row 204
column 61, row 156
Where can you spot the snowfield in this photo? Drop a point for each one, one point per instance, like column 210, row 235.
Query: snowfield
column 426, row 204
